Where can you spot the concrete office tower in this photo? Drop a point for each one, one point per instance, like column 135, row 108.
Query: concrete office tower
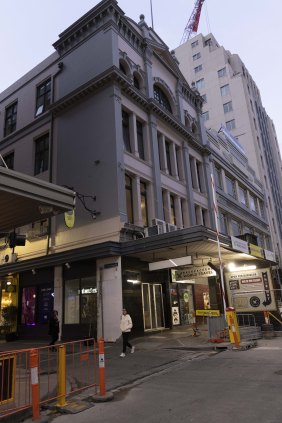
column 233, row 102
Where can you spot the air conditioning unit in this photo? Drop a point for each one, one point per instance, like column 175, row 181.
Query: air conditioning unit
column 161, row 224
column 151, row 231
column 170, row 227
column 9, row 258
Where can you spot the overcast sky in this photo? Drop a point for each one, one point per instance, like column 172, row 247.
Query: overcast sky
column 250, row 28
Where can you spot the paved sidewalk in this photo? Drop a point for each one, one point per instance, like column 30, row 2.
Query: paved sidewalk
column 154, row 353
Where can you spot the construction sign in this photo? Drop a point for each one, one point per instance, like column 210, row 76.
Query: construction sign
column 208, row 313
column 250, row 290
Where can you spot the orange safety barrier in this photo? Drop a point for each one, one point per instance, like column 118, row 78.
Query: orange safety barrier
column 32, row 377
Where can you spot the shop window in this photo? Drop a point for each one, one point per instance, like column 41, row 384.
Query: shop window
column 28, row 316
column 80, row 301
column 72, row 301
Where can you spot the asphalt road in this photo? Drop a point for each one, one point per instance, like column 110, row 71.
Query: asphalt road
column 232, row 386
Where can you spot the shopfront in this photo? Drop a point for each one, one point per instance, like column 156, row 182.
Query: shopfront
column 36, row 302
column 80, row 300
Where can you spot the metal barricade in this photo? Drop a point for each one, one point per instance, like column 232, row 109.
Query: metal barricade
column 217, row 329
column 70, row 368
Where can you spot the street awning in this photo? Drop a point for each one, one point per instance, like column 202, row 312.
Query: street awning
column 25, row 199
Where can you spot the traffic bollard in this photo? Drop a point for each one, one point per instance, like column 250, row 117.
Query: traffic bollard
column 61, row 402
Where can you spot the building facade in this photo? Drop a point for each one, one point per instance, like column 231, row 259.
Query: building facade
column 232, row 103
column 110, row 115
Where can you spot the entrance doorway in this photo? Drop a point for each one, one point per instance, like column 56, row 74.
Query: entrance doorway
column 153, row 309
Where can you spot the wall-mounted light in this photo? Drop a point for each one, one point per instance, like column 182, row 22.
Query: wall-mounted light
column 133, row 277
column 33, row 271
column 232, row 267
column 68, row 266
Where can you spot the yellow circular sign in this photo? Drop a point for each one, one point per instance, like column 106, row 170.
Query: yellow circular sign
column 70, row 219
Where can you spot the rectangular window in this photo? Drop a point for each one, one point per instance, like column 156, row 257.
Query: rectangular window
column 205, row 116
column 195, row 44
column 172, row 210
column 221, row 72
column 10, row 119
column 168, row 161
column 41, row 161
column 81, row 301
column 230, row 124
column 253, row 205
column 28, row 306
column 225, row 90
column 227, row 107
column 236, row 227
column 43, row 97
column 129, row 198
column 126, row 131
column 200, row 83
column 223, row 223
column 243, row 196
column 196, row 56
column 144, row 207
column 198, row 68
column 140, row 139
column 230, row 184
column 218, row 177
column 208, row 42
column 71, row 301
column 9, row 160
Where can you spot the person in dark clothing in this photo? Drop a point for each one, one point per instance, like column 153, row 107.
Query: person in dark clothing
column 54, row 329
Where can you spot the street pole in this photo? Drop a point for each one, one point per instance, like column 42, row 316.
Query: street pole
column 218, row 244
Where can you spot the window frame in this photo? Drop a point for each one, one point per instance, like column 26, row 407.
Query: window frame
column 10, row 124
column 43, row 100
column 225, row 90
column 41, row 154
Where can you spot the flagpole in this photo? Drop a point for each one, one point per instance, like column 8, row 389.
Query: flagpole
column 152, row 19
column 218, row 244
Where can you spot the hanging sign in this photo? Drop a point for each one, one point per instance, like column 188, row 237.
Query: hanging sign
column 69, row 219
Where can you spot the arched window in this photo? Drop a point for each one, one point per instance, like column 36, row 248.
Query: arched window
column 122, row 68
column 136, row 82
column 161, row 98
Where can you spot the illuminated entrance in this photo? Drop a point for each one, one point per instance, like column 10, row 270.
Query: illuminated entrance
column 153, row 310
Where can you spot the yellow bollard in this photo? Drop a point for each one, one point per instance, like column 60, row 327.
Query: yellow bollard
column 61, row 402
column 233, row 327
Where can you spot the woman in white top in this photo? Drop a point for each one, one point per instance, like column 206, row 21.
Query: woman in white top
column 125, row 327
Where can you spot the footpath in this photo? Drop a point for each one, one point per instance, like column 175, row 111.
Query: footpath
column 153, row 353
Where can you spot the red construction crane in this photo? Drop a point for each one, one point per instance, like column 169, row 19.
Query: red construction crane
column 193, row 23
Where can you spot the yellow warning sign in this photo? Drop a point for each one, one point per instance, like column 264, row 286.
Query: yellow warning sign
column 208, row 313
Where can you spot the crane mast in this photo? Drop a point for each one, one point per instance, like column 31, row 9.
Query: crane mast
column 193, row 23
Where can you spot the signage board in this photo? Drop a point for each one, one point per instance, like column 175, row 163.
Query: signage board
column 256, row 251
column 269, row 255
column 239, row 245
column 250, row 290
column 208, row 313
column 192, row 272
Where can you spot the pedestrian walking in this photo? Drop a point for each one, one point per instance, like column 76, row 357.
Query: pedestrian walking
column 54, row 329
column 126, row 326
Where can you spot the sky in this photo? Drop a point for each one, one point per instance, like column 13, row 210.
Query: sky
column 250, row 28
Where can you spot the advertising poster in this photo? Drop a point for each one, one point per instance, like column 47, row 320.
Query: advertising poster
column 250, row 290
column 175, row 316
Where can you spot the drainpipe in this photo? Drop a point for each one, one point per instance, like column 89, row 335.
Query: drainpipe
column 51, row 145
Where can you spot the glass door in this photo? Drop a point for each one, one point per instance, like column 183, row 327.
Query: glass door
column 153, row 311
